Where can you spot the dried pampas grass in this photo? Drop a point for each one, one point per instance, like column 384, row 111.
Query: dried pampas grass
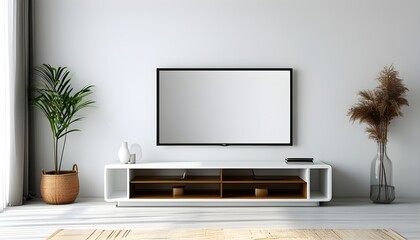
column 379, row 106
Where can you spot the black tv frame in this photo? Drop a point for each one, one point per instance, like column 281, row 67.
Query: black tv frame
column 158, row 143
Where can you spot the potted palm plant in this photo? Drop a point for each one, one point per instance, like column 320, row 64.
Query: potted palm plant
column 54, row 96
column 377, row 108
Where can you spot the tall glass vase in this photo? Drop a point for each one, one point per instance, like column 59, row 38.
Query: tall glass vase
column 382, row 189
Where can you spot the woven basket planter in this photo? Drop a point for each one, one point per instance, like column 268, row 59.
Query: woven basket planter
column 60, row 188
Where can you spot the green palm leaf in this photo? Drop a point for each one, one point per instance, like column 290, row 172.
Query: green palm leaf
column 54, row 96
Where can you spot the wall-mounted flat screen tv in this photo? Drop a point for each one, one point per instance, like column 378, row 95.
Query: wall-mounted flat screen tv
column 224, row 106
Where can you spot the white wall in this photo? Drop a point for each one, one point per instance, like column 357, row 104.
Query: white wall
column 336, row 47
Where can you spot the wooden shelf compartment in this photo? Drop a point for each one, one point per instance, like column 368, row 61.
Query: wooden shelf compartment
column 175, row 179
column 271, row 195
column 167, row 193
column 275, row 190
column 265, row 179
column 226, row 183
column 204, row 183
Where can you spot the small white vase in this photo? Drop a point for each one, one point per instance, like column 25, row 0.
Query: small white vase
column 123, row 153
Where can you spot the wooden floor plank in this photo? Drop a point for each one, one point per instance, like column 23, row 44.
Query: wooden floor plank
column 37, row 220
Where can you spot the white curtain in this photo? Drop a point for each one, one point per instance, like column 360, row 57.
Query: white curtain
column 3, row 75
column 16, row 101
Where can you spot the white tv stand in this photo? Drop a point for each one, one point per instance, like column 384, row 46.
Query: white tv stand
column 218, row 183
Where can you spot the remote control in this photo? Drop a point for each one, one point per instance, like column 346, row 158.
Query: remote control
column 299, row 159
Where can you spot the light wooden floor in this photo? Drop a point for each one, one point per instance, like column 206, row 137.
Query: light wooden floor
column 36, row 220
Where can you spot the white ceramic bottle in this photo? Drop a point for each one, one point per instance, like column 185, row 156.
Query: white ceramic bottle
column 123, row 153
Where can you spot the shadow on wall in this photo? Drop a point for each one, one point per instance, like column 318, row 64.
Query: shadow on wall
column 295, row 115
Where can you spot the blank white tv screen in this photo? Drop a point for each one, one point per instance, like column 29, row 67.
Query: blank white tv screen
column 224, row 106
